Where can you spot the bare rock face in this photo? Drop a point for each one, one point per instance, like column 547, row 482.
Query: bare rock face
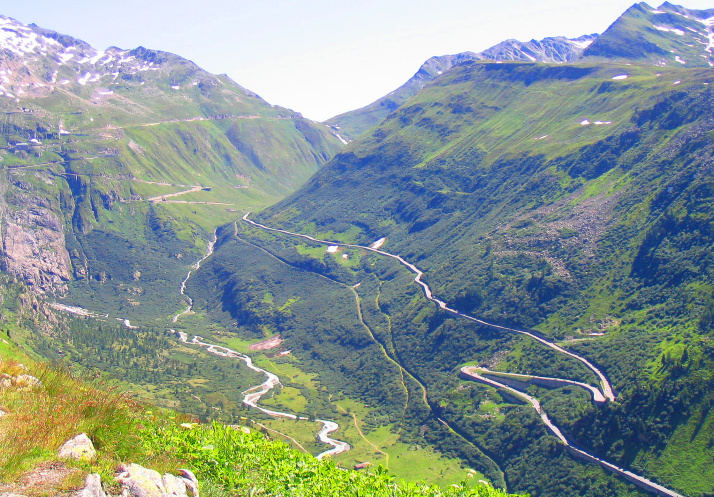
column 34, row 247
column 137, row 481
column 92, row 487
column 79, row 447
column 191, row 482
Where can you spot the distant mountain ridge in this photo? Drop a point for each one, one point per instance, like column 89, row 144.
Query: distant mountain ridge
column 668, row 34
column 573, row 199
column 35, row 61
column 554, row 50
column 95, row 138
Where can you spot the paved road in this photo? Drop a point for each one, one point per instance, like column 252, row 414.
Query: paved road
column 607, row 390
column 160, row 198
column 475, row 373
column 597, row 395
column 472, row 372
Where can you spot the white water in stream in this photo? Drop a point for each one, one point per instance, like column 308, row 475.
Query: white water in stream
column 182, row 290
column 605, row 392
column 254, row 394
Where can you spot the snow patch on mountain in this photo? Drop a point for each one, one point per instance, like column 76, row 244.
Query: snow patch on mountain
column 669, row 30
column 45, row 54
column 582, row 44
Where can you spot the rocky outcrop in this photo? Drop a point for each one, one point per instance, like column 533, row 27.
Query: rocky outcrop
column 137, row 481
column 92, row 487
column 36, row 254
column 26, row 382
column 33, row 244
column 80, row 448
column 21, row 381
column 5, row 381
column 191, row 482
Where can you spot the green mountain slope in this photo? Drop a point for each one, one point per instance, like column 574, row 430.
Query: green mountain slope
column 558, row 49
column 573, row 199
column 38, row 417
column 666, row 35
column 118, row 164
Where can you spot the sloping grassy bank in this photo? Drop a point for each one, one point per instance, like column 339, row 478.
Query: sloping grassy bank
column 227, row 460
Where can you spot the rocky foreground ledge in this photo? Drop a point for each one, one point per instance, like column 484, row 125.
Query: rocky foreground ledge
column 134, row 479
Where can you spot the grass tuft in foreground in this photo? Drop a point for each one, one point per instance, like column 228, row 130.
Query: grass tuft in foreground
column 40, row 418
column 243, row 461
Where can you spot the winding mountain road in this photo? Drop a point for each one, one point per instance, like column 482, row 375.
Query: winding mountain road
column 159, row 198
column 605, row 393
column 597, row 395
column 605, row 385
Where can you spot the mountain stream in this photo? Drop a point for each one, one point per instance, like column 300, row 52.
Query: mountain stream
column 252, row 395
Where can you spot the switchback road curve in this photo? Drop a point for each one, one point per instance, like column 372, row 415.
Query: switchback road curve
column 605, row 392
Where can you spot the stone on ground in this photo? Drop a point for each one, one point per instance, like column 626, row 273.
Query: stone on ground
column 137, row 481
column 5, row 380
column 190, row 479
column 80, row 448
column 92, row 487
column 27, row 381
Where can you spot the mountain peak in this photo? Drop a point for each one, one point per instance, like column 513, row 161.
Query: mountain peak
column 35, row 61
column 557, row 49
column 669, row 34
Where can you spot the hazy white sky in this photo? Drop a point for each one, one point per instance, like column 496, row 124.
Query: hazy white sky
column 319, row 57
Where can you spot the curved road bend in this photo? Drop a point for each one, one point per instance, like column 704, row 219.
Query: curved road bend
column 605, row 385
column 472, row 372
column 597, row 395
column 253, row 394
